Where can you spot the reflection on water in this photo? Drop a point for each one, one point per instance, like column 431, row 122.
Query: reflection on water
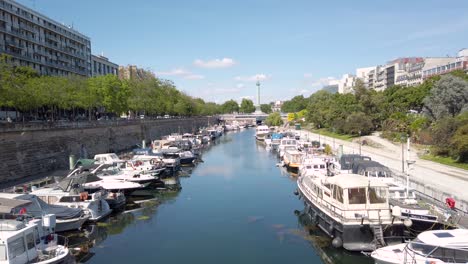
column 322, row 243
column 235, row 207
column 92, row 235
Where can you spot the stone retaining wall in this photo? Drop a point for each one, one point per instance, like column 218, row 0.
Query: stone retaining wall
column 32, row 152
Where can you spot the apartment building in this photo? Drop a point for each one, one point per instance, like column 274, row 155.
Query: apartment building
column 102, row 66
column 34, row 40
column 452, row 64
column 346, row 83
column 132, row 72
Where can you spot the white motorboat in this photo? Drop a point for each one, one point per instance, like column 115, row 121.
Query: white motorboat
column 107, row 158
column 66, row 218
column 352, row 209
column 435, row 246
column 92, row 183
column 115, row 173
column 286, row 143
column 30, row 241
column 70, row 192
column 313, row 166
column 261, row 132
column 292, row 160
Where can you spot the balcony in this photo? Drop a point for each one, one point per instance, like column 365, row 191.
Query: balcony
column 27, row 18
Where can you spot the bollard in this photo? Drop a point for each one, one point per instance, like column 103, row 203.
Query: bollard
column 72, row 161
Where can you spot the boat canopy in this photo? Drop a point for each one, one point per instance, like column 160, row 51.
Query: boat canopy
column 347, row 181
column 8, row 206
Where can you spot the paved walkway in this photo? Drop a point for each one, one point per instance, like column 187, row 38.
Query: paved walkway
column 448, row 180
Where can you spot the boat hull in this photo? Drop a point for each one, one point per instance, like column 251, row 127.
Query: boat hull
column 355, row 237
column 63, row 225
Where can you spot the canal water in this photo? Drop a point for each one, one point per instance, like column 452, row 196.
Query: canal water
column 236, row 207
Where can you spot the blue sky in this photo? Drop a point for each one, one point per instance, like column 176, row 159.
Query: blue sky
column 217, row 49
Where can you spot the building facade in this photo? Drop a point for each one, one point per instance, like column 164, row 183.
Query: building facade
column 346, row 83
column 34, row 40
column 132, row 72
column 102, row 66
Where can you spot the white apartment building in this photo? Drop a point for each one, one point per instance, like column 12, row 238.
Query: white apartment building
column 102, row 66
column 415, row 71
column 346, row 83
column 366, row 75
column 34, row 40
column 452, row 64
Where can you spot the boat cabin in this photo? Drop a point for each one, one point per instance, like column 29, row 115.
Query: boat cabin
column 346, row 161
column 449, row 246
column 351, row 196
column 106, row 158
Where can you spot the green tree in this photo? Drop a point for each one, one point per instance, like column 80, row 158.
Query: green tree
column 247, row 106
column 230, row 107
column 448, row 97
column 274, row 119
column 358, row 123
column 296, row 104
column 266, row 108
column 459, row 143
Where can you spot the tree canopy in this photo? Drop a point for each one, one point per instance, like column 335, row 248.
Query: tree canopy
column 247, row 106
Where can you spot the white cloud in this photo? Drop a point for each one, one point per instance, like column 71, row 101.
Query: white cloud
column 319, row 83
column 253, row 78
column 215, row 64
column 307, row 75
column 194, row 77
column 181, row 72
column 220, row 91
column 240, row 85
column 173, row 72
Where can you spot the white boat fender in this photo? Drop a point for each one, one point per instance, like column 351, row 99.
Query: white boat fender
column 337, row 242
column 407, row 222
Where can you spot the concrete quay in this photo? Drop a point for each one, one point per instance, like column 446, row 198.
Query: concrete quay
column 430, row 178
column 29, row 152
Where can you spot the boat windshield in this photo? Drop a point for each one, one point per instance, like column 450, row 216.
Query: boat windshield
column 448, row 255
column 377, row 195
column 357, row 195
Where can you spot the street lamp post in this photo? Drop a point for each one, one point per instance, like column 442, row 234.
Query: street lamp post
column 402, row 154
column 320, row 144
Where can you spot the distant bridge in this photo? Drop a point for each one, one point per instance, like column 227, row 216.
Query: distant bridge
column 254, row 118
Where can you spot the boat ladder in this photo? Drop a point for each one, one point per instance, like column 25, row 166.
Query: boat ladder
column 378, row 235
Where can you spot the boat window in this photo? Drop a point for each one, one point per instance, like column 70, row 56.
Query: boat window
column 381, row 174
column 52, row 199
column 16, row 247
column 36, row 234
column 322, row 166
column 377, row 195
column 338, row 193
column 423, row 248
column 315, row 166
column 69, row 199
column 308, row 167
column 3, row 255
column 450, row 255
column 30, row 240
column 357, row 196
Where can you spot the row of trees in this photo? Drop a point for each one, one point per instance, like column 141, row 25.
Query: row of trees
column 434, row 112
column 53, row 98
